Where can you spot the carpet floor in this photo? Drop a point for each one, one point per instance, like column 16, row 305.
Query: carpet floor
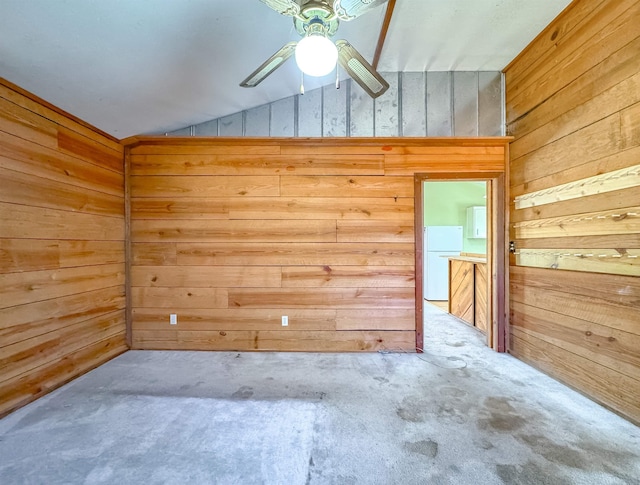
column 457, row 414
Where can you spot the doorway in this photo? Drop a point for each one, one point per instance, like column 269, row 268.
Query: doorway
column 475, row 292
column 454, row 226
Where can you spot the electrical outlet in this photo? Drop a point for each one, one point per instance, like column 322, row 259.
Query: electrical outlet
column 173, row 319
column 285, row 321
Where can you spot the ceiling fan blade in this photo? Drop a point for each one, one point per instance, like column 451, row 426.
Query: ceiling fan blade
column 285, row 7
column 360, row 70
column 350, row 9
column 270, row 65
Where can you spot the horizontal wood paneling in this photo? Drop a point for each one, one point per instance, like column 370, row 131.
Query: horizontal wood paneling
column 62, row 258
column 573, row 107
column 246, row 164
column 234, row 231
column 283, row 341
column 232, row 234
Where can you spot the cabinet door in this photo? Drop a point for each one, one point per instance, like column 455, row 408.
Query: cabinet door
column 476, row 222
column 461, row 290
column 481, row 297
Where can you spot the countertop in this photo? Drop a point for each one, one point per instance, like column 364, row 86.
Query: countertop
column 468, row 259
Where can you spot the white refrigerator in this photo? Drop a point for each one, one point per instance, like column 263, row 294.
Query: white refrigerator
column 439, row 242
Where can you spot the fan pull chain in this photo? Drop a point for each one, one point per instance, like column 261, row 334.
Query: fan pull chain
column 301, row 82
column 337, row 78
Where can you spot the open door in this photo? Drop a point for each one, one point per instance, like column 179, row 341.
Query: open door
column 496, row 255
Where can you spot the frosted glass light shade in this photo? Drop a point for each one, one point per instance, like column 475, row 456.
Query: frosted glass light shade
column 316, row 55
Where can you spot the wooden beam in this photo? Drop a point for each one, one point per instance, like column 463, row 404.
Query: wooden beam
column 383, row 32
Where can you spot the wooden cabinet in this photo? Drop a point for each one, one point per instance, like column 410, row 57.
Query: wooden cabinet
column 468, row 290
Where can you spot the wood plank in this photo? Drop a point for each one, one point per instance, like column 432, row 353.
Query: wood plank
column 151, row 254
column 599, row 140
column 612, row 389
column 295, row 254
column 410, row 164
column 86, row 148
column 608, row 28
column 280, row 341
column 22, row 357
column 626, row 221
column 368, row 208
column 319, row 208
column 204, row 186
column 621, row 290
column 585, row 242
column 233, row 231
column 19, row 221
column 178, row 298
column 617, row 200
column 39, row 106
column 206, row 276
column 560, row 28
column 24, row 124
column 183, row 208
column 22, row 156
column 372, row 230
column 614, row 99
column 28, row 387
column 223, row 147
column 348, row 276
column 234, row 319
column 309, row 163
column 611, row 261
column 630, row 125
column 613, row 70
column 596, row 310
column 356, row 186
column 21, row 288
column 376, row 319
column 22, row 322
column 604, row 345
column 327, row 298
column 18, row 256
column 625, row 178
column 24, row 188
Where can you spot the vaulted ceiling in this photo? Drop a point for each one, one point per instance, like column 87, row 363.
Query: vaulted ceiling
column 146, row 66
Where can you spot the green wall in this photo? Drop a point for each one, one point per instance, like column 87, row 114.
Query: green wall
column 445, row 204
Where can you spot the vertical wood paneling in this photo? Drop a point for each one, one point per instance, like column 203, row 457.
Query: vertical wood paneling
column 417, row 104
column 62, row 250
column 572, row 106
column 330, row 243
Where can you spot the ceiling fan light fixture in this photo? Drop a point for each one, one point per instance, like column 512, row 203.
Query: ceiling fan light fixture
column 316, row 55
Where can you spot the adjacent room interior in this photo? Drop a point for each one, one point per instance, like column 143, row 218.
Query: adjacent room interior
column 249, row 285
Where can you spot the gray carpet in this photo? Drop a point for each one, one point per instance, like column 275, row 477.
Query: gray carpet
column 458, row 414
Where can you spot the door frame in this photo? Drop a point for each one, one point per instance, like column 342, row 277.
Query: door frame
column 497, row 253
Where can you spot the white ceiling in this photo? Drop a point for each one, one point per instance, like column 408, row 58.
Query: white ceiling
column 148, row 66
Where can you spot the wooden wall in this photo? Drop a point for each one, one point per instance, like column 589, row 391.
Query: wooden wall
column 232, row 234
column 573, row 105
column 61, row 248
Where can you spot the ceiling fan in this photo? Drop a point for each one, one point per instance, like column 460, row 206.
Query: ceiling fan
column 316, row 55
